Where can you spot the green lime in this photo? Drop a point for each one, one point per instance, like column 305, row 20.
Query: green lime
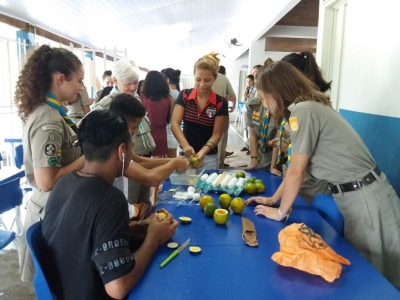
column 250, row 188
column 209, row 209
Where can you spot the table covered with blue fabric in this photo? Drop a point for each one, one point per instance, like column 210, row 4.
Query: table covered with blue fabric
column 227, row 268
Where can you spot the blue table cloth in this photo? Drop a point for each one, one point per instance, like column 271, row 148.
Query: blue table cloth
column 228, row 269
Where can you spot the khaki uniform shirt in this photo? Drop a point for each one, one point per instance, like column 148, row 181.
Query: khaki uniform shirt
column 48, row 141
column 337, row 153
column 75, row 109
column 222, row 86
column 254, row 116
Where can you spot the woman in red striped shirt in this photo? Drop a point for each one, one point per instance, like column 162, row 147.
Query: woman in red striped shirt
column 203, row 113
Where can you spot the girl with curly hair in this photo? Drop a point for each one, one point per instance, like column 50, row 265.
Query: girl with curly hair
column 51, row 76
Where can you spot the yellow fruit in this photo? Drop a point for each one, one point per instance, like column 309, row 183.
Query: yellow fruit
column 209, row 209
column 237, row 205
column 204, row 200
column 240, row 174
column 224, row 201
column 194, row 249
column 162, row 216
column 258, row 181
column 193, row 161
column 251, row 180
column 250, row 188
column 221, row 216
column 260, row 188
column 185, row 219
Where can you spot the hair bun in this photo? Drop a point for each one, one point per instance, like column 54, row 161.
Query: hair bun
column 177, row 73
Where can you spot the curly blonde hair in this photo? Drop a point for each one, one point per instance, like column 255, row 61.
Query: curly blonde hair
column 37, row 75
column 208, row 62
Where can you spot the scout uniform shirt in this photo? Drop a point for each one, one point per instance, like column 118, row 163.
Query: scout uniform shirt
column 75, row 109
column 48, row 141
column 199, row 125
column 338, row 155
column 254, row 117
column 336, row 151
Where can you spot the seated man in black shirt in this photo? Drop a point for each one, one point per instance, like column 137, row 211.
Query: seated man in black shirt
column 85, row 230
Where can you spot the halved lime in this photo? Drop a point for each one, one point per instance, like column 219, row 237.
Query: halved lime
column 194, row 249
column 172, row 245
column 185, row 219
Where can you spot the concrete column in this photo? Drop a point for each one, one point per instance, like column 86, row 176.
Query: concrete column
column 256, row 53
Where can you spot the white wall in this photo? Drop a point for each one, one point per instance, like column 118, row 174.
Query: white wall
column 242, row 63
column 369, row 77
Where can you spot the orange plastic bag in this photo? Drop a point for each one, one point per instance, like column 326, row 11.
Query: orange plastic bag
column 303, row 249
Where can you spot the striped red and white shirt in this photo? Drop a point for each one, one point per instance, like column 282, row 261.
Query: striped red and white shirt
column 198, row 125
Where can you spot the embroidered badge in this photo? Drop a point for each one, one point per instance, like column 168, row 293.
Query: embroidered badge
column 52, row 127
column 52, row 161
column 211, row 112
column 294, row 126
column 256, row 115
column 50, row 149
column 51, row 136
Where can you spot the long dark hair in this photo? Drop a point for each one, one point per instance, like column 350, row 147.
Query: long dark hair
column 287, row 85
column 36, row 76
column 306, row 64
column 139, row 87
column 155, row 86
column 174, row 76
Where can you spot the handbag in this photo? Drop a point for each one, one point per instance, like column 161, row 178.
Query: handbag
column 143, row 142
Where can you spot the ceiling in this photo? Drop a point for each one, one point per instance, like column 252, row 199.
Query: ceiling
column 154, row 31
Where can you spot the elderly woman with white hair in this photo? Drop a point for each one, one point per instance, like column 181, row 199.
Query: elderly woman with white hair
column 126, row 78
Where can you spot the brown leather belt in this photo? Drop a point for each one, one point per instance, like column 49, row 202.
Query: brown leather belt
column 355, row 185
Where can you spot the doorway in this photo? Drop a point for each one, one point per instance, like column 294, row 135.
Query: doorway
column 330, row 44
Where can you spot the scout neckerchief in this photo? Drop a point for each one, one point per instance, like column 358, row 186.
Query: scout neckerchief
column 146, row 142
column 280, row 144
column 52, row 101
column 264, row 129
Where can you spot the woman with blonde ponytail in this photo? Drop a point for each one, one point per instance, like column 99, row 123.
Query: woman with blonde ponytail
column 204, row 114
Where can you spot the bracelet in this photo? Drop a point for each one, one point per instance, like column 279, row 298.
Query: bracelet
column 254, row 157
column 211, row 142
column 280, row 214
column 206, row 145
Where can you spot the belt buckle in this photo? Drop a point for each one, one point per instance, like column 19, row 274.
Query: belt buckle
column 359, row 185
column 335, row 189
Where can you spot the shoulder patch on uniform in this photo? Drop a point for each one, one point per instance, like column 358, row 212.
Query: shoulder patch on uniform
column 50, row 149
column 52, row 161
column 52, row 127
column 256, row 115
column 294, row 126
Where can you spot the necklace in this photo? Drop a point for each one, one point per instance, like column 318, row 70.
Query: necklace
column 86, row 173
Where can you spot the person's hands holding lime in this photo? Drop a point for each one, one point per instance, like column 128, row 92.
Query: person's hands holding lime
column 196, row 161
column 188, row 150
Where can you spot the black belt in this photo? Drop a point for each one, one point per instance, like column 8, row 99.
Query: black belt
column 355, row 185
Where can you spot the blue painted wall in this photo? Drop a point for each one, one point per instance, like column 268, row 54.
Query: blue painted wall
column 381, row 134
